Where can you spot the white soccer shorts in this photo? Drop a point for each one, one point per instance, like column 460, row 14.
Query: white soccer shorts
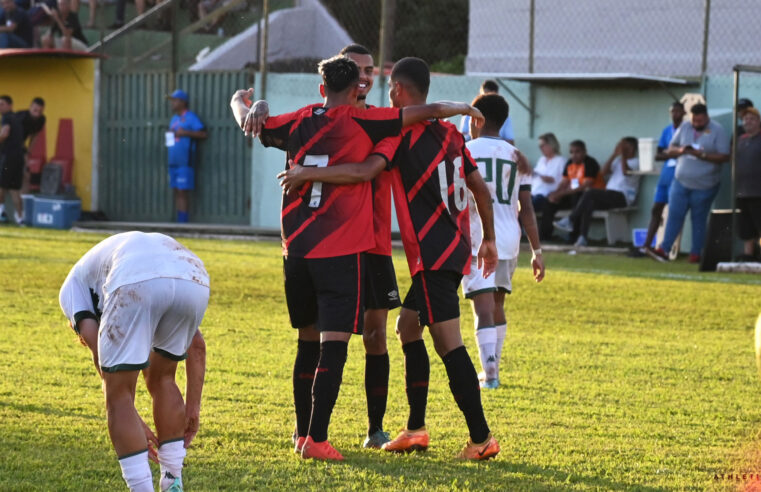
column 474, row 283
column 162, row 314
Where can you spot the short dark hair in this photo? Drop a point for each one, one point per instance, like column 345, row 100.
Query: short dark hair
column 699, row 109
column 38, row 101
column 414, row 71
column 494, row 108
column 633, row 142
column 490, row 86
column 338, row 73
column 579, row 144
column 355, row 48
column 7, row 99
column 677, row 104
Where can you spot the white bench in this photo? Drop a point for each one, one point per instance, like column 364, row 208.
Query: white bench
column 616, row 222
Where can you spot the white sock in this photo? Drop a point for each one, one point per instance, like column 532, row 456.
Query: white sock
column 487, row 341
column 501, row 334
column 171, row 456
column 137, row 472
column 19, row 218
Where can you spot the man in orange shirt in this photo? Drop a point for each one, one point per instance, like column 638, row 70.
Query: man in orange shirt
column 581, row 173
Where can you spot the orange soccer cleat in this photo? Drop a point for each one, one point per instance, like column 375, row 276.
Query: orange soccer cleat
column 319, row 451
column 484, row 451
column 408, row 441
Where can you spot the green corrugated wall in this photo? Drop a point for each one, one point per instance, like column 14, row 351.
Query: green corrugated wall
column 133, row 176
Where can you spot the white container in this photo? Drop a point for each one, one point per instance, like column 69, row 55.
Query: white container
column 647, row 148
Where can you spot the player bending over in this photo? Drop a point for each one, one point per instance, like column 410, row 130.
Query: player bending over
column 498, row 164
column 326, row 231
column 136, row 301
column 431, row 171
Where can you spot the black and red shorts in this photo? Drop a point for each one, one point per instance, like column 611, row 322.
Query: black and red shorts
column 326, row 292
column 381, row 291
column 434, row 296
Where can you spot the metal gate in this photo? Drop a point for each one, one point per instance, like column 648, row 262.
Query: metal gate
column 133, row 175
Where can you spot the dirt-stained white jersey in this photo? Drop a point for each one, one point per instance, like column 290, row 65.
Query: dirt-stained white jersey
column 124, row 259
column 497, row 163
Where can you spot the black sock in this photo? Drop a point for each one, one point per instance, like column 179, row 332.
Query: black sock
column 307, row 355
column 376, row 390
column 327, row 382
column 463, row 381
column 417, row 370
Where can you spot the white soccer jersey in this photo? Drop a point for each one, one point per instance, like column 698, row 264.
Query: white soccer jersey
column 124, row 259
column 497, row 163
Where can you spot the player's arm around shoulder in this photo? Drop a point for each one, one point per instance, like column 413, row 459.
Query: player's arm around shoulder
column 527, row 218
column 297, row 175
column 440, row 110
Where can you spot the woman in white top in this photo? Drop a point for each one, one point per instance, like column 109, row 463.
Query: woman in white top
column 546, row 175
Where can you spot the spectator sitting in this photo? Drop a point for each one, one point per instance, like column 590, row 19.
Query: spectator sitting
column 619, row 192
column 15, row 27
column 661, row 198
column 748, row 179
column 701, row 146
column 32, row 122
column 506, row 132
column 547, row 174
column 66, row 32
column 580, row 174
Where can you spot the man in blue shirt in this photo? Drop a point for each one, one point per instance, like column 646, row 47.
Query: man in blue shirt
column 181, row 140
column 661, row 198
column 506, row 132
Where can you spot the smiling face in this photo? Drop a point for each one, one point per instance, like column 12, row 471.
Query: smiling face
column 366, row 72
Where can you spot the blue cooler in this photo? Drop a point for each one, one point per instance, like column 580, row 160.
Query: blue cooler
column 54, row 213
column 28, row 201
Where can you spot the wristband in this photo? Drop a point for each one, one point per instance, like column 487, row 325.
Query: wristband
column 537, row 251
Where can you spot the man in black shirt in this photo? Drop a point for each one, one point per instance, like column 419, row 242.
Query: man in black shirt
column 15, row 27
column 32, row 122
column 11, row 159
column 66, row 32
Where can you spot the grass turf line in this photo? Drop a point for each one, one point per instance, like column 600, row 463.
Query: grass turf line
column 617, row 374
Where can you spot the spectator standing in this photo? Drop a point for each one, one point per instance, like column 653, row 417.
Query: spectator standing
column 32, row 122
column 547, row 174
column 185, row 130
column 743, row 104
column 11, row 159
column 748, row 179
column 66, row 32
column 505, row 132
column 701, row 146
column 580, row 174
column 620, row 191
column 661, row 198
column 15, row 27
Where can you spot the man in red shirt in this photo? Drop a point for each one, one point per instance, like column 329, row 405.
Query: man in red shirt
column 431, row 169
column 326, row 229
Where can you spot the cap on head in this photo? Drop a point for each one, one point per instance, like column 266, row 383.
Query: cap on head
column 744, row 103
column 181, row 95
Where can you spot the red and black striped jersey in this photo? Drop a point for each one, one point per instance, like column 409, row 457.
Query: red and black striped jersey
column 430, row 195
column 323, row 220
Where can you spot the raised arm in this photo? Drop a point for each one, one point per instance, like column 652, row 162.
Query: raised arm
column 195, row 370
column 297, row 175
column 440, row 110
column 487, row 252
column 527, row 218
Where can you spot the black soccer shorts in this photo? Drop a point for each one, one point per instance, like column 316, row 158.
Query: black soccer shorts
column 434, row 296
column 381, row 291
column 326, row 292
column 12, row 172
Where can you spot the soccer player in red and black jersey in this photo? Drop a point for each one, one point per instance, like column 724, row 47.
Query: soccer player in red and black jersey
column 431, row 170
column 326, row 230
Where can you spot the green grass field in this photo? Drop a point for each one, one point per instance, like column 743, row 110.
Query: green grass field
column 618, row 374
